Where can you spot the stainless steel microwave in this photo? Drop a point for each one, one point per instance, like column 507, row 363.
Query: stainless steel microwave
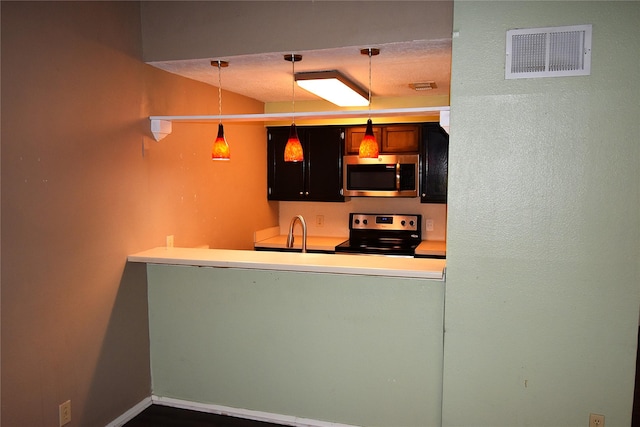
column 387, row 176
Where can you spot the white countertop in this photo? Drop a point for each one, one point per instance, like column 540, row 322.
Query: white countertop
column 328, row 244
column 314, row 243
column 432, row 248
column 370, row 265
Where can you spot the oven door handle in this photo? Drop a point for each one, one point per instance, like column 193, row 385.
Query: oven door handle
column 398, row 176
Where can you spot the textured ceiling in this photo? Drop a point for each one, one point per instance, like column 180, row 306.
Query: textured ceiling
column 267, row 77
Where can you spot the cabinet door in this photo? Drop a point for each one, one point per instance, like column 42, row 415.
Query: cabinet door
column 400, row 139
column 391, row 139
column 434, row 164
column 285, row 180
column 355, row 136
column 323, row 156
column 318, row 177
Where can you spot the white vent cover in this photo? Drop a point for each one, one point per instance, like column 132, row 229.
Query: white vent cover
column 548, row 52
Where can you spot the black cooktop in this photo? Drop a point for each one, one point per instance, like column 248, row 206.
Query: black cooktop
column 382, row 234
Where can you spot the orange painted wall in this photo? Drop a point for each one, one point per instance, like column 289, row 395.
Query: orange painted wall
column 200, row 201
column 83, row 185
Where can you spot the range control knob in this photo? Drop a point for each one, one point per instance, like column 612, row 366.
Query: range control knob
column 364, row 221
column 411, row 223
column 403, row 222
column 357, row 221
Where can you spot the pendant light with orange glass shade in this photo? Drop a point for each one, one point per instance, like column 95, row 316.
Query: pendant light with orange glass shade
column 293, row 150
column 220, row 149
column 369, row 146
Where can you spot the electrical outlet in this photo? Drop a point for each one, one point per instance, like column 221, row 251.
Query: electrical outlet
column 170, row 241
column 429, row 225
column 64, row 412
column 596, row 420
column 319, row 220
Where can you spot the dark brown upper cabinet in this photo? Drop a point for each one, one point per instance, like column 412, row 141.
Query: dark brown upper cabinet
column 319, row 177
column 434, row 164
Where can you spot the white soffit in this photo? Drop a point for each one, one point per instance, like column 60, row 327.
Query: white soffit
column 161, row 126
column 548, row 52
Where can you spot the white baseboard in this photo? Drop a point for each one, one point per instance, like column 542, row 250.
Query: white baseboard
column 287, row 420
column 131, row 413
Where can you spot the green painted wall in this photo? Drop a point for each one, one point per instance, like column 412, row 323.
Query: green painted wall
column 348, row 349
column 543, row 268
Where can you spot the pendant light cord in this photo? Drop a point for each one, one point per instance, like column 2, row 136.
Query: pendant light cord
column 220, row 90
column 293, row 87
column 369, row 82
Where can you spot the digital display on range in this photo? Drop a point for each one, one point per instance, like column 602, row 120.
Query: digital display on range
column 384, row 220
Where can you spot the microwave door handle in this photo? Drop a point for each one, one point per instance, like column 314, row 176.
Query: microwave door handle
column 398, row 176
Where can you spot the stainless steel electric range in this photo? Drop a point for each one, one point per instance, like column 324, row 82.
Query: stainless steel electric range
column 382, row 234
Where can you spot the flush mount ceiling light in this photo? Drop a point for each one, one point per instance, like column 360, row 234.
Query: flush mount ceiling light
column 220, row 149
column 369, row 146
column 334, row 87
column 293, row 148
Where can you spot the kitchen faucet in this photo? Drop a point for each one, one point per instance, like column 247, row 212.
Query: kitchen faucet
column 303, row 224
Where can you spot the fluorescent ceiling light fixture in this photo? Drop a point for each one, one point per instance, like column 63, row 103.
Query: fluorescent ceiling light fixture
column 334, row 87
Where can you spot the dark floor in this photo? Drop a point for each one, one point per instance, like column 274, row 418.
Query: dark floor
column 165, row 416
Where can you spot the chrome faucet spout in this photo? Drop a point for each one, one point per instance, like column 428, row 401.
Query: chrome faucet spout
column 303, row 224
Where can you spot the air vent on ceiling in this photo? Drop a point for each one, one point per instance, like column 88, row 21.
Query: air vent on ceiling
column 423, row 85
column 548, row 52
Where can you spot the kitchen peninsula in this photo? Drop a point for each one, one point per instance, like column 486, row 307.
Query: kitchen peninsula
column 287, row 261
column 295, row 335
